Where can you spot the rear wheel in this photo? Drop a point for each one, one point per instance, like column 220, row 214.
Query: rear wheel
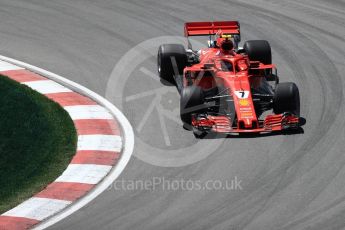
column 258, row 50
column 171, row 61
column 286, row 98
column 192, row 101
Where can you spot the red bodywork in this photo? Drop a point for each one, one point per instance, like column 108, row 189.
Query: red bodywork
column 239, row 79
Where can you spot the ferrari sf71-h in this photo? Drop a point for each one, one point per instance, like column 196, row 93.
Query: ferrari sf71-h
column 225, row 88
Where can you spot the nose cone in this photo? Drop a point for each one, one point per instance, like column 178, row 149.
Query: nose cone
column 243, row 102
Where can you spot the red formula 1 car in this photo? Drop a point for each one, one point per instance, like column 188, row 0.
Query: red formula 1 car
column 225, row 88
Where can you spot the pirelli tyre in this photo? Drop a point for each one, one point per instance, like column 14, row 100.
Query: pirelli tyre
column 171, row 60
column 258, row 50
column 286, row 98
column 192, row 101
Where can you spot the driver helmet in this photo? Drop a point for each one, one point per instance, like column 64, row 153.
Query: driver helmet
column 224, row 42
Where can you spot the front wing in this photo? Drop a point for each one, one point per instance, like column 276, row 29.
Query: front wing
column 223, row 124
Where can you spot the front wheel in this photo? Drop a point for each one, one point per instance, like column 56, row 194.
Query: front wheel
column 258, row 50
column 192, row 101
column 286, row 99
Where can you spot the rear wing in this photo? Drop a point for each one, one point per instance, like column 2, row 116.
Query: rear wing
column 211, row 28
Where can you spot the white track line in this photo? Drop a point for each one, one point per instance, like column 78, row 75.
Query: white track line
column 5, row 66
column 88, row 112
column 100, row 142
column 84, row 173
column 47, row 86
column 38, row 208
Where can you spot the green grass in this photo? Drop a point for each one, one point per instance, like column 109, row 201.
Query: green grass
column 37, row 142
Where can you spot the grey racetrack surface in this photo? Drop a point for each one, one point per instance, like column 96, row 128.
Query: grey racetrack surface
column 288, row 181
